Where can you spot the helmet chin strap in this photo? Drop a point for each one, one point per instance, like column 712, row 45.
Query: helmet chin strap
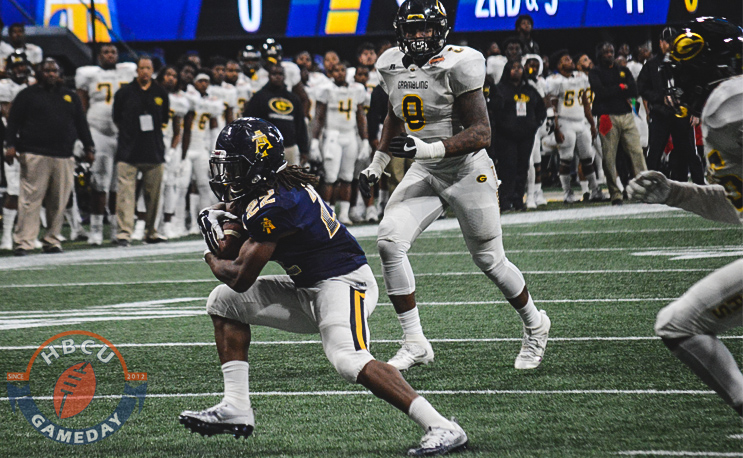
column 282, row 167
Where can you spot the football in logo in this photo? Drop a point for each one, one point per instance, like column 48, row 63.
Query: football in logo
column 74, row 390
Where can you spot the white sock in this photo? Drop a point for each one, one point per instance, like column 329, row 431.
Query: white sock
column 537, row 186
column 584, row 186
column 8, row 220
column 96, row 223
column 529, row 314
column 236, row 386
column 410, row 322
column 343, row 207
column 565, row 180
column 592, row 182
column 423, row 413
column 194, row 208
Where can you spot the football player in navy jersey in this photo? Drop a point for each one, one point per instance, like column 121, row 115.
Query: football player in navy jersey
column 329, row 287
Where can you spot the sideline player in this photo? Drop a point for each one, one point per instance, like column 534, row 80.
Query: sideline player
column 706, row 65
column 96, row 87
column 435, row 96
column 575, row 127
column 328, row 280
column 340, row 111
column 18, row 70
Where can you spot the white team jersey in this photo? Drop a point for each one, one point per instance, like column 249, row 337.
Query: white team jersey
column 227, row 93
column 34, row 54
column 245, row 91
column 9, row 89
column 342, row 102
column 292, row 74
column 373, row 77
column 722, row 127
column 494, row 67
column 204, row 108
column 569, row 93
column 315, row 85
column 101, row 85
column 424, row 97
column 179, row 107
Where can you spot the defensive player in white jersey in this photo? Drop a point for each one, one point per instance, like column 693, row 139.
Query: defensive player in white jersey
column 18, row 69
column 340, row 112
column 172, row 136
column 222, row 90
column 705, row 76
column 243, row 90
column 575, row 127
column 17, row 41
column 199, row 131
column 435, row 96
column 96, row 86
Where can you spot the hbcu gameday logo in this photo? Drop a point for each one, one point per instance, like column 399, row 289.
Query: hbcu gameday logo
column 85, row 365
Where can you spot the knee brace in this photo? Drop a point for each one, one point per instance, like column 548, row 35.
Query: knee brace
column 398, row 274
column 491, row 259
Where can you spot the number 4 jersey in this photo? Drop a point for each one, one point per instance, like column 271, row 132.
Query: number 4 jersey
column 423, row 97
column 311, row 245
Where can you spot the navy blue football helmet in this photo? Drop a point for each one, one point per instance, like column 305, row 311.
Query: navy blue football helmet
column 706, row 52
column 415, row 15
column 249, row 153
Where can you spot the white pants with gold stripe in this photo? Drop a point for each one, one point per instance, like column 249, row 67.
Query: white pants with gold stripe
column 338, row 308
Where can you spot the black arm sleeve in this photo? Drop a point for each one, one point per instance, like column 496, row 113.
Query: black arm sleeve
column 377, row 111
column 301, row 130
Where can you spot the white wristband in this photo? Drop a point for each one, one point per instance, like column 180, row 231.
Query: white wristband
column 433, row 151
column 381, row 159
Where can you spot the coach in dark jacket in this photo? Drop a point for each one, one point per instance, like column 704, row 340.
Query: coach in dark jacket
column 283, row 109
column 43, row 124
column 517, row 110
column 140, row 109
column 651, row 84
column 613, row 86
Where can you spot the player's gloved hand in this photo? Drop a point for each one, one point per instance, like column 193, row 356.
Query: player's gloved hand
column 315, row 154
column 210, row 223
column 371, row 175
column 649, row 186
column 409, row 147
column 364, row 151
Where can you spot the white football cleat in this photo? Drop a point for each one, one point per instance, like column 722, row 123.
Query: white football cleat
column 539, row 198
column 372, row 214
column 357, row 214
column 414, row 351
column 7, row 242
column 531, row 203
column 534, row 344
column 440, row 441
column 219, row 419
column 138, row 233
column 95, row 237
column 570, row 197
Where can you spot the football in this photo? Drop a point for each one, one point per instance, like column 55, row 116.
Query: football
column 234, row 237
column 74, row 390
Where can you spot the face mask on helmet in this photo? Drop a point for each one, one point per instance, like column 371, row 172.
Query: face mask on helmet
column 421, row 28
column 250, row 151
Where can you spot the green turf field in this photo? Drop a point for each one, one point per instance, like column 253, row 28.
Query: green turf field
column 607, row 387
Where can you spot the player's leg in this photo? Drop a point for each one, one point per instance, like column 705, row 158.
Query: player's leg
column 413, row 206
column 10, row 207
column 201, row 178
column 345, row 342
column 349, row 153
column 183, row 183
column 272, row 301
column 689, row 328
column 475, row 203
column 332, row 152
column 566, row 150
column 170, row 196
column 586, row 156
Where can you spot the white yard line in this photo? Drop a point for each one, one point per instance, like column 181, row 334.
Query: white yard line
column 439, row 392
column 421, row 274
column 677, row 453
column 380, row 341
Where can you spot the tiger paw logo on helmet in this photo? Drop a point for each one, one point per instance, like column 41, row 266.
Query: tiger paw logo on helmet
column 89, row 383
